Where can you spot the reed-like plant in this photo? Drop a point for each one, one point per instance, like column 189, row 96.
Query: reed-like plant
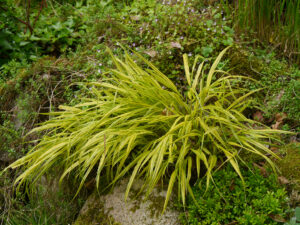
column 277, row 22
column 138, row 122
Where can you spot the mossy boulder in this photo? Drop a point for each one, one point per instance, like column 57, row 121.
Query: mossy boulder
column 112, row 208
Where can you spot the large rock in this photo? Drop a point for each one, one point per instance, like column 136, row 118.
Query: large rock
column 113, row 209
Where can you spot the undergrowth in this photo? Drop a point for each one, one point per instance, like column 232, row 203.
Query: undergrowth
column 260, row 200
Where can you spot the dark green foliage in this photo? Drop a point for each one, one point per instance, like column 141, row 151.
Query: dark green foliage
column 52, row 31
column 260, row 201
column 10, row 35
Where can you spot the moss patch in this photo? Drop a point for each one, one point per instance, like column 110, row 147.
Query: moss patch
column 290, row 164
column 93, row 213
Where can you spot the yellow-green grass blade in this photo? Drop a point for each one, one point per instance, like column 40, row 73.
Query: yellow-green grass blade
column 213, row 67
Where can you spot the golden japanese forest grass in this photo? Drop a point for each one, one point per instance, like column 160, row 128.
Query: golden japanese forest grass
column 137, row 122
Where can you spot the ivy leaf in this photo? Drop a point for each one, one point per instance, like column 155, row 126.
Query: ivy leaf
column 228, row 41
column 57, row 26
column 205, row 51
column 209, row 23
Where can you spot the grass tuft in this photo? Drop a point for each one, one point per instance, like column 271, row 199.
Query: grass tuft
column 137, row 121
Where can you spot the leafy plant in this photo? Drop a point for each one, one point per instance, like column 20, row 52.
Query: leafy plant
column 259, row 200
column 296, row 219
column 137, row 121
column 57, row 35
column 51, row 31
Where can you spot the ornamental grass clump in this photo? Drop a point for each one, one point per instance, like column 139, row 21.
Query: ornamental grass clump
column 138, row 122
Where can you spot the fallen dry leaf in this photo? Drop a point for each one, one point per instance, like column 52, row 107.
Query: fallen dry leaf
column 283, row 180
column 279, row 117
column 233, row 223
column 277, row 218
column 135, row 18
column 258, row 116
column 151, row 53
column 232, row 185
column 275, row 150
column 262, row 170
column 175, row 45
column 280, row 95
column 276, row 125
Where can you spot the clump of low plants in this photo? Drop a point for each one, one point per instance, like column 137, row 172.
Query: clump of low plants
column 259, row 200
column 136, row 120
column 164, row 30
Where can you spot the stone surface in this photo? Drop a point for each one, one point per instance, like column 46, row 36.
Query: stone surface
column 113, row 209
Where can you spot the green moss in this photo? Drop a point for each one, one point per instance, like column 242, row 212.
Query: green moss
column 157, row 205
column 93, row 213
column 290, row 164
column 96, row 216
